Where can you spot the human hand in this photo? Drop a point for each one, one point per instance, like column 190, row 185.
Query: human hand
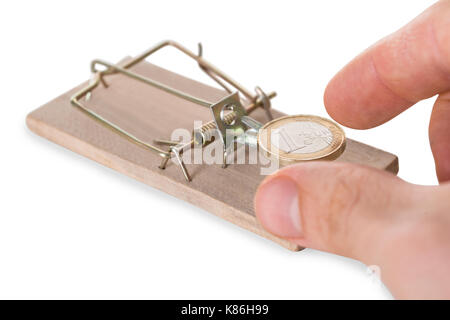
column 364, row 213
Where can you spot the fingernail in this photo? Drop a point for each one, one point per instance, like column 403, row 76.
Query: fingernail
column 277, row 208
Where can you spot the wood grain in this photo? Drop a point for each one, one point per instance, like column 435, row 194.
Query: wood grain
column 150, row 113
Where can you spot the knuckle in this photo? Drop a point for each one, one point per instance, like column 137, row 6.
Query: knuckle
column 345, row 193
column 346, row 190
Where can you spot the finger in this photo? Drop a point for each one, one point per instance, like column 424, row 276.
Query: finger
column 365, row 214
column 410, row 65
column 336, row 207
column 439, row 132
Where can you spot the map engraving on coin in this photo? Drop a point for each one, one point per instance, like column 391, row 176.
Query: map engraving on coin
column 300, row 138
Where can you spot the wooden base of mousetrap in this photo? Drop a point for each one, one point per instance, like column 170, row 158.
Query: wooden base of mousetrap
column 150, row 113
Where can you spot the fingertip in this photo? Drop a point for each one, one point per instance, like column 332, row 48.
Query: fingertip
column 337, row 102
column 405, row 67
column 341, row 98
column 357, row 98
column 277, row 206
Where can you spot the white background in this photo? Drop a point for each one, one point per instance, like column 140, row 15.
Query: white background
column 71, row 228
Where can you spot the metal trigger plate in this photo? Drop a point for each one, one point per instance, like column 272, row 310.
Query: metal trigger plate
column 227, row 116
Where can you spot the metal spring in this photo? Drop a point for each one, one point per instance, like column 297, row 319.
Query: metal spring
column 205, row 133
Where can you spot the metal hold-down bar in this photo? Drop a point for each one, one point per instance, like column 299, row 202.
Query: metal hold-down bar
column 260, row 99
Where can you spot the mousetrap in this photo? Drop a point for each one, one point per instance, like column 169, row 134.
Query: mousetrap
column 124, row 118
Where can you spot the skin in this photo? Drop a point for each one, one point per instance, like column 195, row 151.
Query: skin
column 367, row 214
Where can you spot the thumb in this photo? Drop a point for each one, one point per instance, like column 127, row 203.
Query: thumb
column 337, row 207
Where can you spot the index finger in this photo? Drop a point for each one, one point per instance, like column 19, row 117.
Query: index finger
column 409, row 65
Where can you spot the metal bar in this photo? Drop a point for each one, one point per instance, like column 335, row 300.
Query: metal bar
column 75, row 100
column 216, row 74
column 151, row 82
